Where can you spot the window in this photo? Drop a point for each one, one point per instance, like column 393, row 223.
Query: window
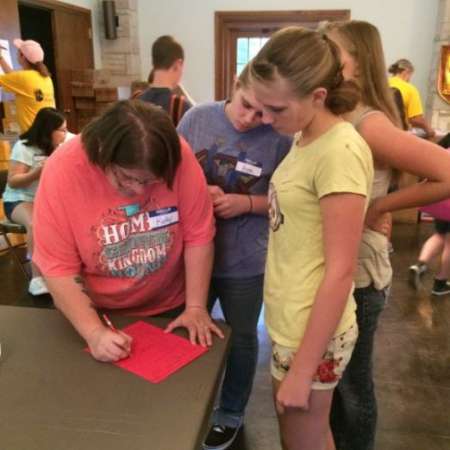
column 246, row 49
column 240, row 35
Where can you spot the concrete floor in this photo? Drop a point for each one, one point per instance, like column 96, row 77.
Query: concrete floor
column 412, row 363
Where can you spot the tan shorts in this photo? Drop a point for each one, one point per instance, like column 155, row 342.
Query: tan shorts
column 332, row 366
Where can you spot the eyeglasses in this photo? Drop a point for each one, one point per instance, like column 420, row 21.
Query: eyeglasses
column 125, row 179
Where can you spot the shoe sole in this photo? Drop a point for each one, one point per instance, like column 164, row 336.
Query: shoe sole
column 223, row 446
column 438, row 293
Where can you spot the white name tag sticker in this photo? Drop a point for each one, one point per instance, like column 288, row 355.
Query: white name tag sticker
column 161, row 218
column 248, row 168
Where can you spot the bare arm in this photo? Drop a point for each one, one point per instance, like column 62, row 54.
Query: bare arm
column 233, row 205
column 342, row 218
column 20, row 175
column 227, row 206
column 401, row 150
column 72, row 300
column 198, row 262
column 4, row 65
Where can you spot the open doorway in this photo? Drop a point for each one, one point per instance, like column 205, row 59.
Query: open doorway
column 36, row 24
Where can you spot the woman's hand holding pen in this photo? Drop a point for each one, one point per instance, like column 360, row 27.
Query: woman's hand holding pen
column 109, row 345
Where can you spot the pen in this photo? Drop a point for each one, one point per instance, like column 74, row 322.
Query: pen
column 109, row 323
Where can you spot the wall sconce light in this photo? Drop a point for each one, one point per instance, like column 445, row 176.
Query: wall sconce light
column 110, row 19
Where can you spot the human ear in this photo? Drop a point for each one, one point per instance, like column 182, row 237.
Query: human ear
column 319, row 95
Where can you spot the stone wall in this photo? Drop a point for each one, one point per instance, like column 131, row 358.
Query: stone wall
column 437, row 108
column 121, row 56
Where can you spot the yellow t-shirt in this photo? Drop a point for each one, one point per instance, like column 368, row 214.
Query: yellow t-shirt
column 337, row 161
column 33, row 92
column 410, row 96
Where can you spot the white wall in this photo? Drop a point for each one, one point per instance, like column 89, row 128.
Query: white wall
column 407, row 28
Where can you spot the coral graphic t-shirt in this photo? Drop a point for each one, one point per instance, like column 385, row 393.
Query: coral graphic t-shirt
column 129, row 250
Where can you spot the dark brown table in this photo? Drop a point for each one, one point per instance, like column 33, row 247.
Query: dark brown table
column 55, row 396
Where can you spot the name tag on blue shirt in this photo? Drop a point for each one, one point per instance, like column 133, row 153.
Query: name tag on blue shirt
column 249, row 168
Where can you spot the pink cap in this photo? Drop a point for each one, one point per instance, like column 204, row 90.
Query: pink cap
column 31, row 50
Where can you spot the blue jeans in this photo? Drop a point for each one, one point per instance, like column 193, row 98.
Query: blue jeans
column 354, row 407
column 241, row 301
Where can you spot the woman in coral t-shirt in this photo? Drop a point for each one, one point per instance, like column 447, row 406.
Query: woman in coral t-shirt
column 124, row 222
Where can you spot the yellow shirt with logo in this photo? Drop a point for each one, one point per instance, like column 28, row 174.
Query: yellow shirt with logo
column 410, row 96
column 339, row 161
column 32, row 91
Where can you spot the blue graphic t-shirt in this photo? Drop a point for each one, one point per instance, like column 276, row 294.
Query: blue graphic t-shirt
column 239, row 163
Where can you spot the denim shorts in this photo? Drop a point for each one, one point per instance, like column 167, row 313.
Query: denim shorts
column 8, row 207
column 330, row 369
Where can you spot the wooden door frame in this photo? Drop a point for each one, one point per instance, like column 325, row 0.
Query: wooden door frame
column 54, row 5
column 228, row 23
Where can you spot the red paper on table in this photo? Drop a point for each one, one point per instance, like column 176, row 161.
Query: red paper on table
column 154, row 354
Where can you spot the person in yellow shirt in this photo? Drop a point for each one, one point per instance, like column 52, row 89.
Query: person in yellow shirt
column 402, row 71
column 318, row 196
column 32, row 86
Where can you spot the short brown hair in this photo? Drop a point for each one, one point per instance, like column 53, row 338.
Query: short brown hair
column 135, row 135
column 306, row 60
column 165, row 51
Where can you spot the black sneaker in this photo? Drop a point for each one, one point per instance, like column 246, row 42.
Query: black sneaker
column 415, row 274
column 440, row 287
column 220, row 437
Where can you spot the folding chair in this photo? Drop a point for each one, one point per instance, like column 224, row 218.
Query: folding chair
column 8, row 227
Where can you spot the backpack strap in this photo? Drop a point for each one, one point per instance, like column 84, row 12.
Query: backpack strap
column 176, row 108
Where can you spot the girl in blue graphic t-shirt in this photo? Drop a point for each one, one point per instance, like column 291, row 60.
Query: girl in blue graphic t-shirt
column 238, row 154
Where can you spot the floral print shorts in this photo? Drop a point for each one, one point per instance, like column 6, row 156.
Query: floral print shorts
column 332, row 366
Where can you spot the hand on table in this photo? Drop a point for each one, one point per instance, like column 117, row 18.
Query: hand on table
column 199, row 325
column 107, row 345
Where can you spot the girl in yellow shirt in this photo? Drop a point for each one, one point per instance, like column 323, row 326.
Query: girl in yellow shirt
column 32, row 86
column 318, row 198
column 402, row 71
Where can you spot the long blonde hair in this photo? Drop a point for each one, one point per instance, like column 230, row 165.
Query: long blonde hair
column 306, row 60
column 363, row 42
